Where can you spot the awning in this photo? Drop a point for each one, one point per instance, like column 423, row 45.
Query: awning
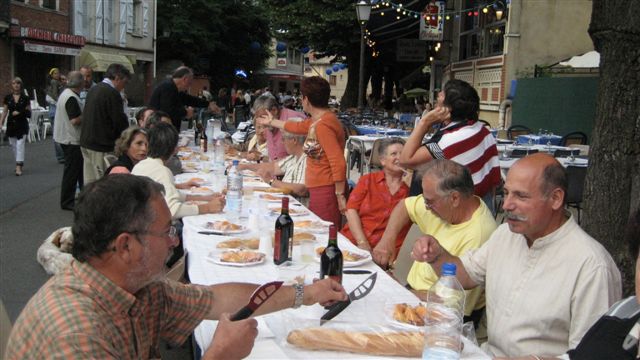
column 100, row 61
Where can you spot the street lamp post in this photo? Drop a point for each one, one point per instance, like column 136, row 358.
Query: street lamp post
column 363, row 11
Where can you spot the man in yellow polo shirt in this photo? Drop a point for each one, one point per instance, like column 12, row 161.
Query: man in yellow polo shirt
column 448, row 211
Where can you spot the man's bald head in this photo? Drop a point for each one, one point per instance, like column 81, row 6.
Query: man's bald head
column 549, row 173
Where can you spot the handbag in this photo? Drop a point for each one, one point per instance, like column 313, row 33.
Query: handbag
column 311, row 146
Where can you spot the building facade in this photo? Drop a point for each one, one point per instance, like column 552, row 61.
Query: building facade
column 118, row 31
column 491, row 49
column 284, row 70
column 37, row 35
column 37, row 39
column 319, row 66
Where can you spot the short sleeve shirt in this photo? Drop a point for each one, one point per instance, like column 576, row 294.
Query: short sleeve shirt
column 293, row 168
column 456, row 239
column 79, row 313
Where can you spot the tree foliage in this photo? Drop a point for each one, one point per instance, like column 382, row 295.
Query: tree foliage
column 329, row 27
column 214, row 36
column 612, row 188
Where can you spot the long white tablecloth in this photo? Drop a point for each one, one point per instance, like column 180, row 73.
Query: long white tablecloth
column 368, row 312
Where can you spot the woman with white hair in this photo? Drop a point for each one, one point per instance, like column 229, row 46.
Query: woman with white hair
column 16, row 111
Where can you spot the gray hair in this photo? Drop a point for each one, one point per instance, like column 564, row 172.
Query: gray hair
column 297, row 137
column 75, row 79
column 554, row 176
column 385, row 143
column 117, row 70
column 266, row 102
column 451, row 177
column 181, row 72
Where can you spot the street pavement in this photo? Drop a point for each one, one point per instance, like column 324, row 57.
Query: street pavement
column 29, row 213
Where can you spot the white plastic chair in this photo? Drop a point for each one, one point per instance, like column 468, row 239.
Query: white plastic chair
column 34, row 132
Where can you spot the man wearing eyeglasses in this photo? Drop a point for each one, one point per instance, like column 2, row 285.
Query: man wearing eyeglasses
column 113, row 301
column 546, row 280
column 448, row 210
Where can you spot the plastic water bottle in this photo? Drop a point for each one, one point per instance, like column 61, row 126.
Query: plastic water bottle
column 219, row 152
column 445, row 311
column 234, row 191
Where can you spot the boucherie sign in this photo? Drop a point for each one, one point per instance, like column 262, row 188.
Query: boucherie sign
column 46, row 35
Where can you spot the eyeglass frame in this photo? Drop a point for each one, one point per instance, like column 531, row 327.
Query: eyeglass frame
column 171, row 234
column 429, row 204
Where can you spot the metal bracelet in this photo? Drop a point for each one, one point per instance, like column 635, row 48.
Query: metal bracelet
column 299, row 288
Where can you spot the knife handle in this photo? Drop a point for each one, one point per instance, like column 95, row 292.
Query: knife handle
column 242, row 314
column 335, row 309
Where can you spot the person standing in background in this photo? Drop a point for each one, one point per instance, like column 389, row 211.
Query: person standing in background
column 171, row 97
column 66, row 132
column 103, row 121
column 87, row 75
column 16, row 111
column 53, row 90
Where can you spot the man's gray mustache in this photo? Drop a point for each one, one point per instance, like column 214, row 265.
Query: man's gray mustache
column 511, row 216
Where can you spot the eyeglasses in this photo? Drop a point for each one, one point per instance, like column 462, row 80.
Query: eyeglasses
column 430, row 203
column 171, row 234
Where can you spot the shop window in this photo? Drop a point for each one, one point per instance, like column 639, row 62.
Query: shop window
column 495, row 40
column 50, row 4
column 470, row 45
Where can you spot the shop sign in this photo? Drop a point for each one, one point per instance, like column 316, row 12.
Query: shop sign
column 281, row 61
column 51, row 49
column 46, row 35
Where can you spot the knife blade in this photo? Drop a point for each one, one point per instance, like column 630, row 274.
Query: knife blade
column 259, row 296
column 358, row 293
column 210, row 232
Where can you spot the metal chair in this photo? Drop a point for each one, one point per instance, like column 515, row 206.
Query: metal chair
column 514, row 130
column 485, row 123
column 576, row 137
column 520, row 153
column 575, row 187
column 566, row 153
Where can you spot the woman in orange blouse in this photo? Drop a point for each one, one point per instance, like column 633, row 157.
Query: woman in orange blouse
column 325, row 175
column 376, row 195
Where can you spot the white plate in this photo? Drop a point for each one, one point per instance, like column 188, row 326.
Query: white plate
column 189, row 170
column 348, row 264
column 215, row 258
column 293, row 211
column 200, row 191
column 203, row 227
column 277, row 198
column 317, row 226
column 388, row 314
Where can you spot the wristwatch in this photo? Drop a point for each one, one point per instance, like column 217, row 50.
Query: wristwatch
column 299, row 288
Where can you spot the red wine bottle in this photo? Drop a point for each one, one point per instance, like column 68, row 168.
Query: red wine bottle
column 331, row 258
column 283, row 242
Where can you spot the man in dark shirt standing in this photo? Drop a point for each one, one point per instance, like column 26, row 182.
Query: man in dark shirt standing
column 103, row 120
column 171, row 97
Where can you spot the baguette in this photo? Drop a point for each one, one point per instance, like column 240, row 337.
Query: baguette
column 408, row 344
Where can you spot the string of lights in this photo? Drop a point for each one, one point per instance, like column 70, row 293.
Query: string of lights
column 389, row 6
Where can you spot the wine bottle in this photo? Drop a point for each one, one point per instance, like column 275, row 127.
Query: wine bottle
column 204, row 142
column 331, row 258
column 283, row 242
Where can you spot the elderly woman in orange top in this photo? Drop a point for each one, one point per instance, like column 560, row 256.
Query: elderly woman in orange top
column 325, row 175
column 371, row 202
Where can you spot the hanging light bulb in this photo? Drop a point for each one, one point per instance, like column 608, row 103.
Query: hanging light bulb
column 499, row 14
column 382, row 13
column 447, row 17
column 485, row 10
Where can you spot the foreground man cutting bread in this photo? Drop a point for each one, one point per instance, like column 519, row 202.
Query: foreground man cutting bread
column 113, row 300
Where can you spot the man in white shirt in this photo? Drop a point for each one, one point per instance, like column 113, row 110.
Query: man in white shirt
column 546, row 280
